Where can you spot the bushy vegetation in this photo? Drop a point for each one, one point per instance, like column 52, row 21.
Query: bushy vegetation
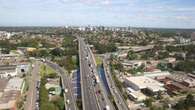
column 132, row 55
column 102, row 48
column 45, row 104
column 69, row 62
column 186, row 104
column 47, row 72
column 187, row 66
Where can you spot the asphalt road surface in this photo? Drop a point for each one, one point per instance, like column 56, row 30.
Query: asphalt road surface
column 94, row 96
column 119, row 100
column 89, row 100
column 32, row 92
column 70, row 99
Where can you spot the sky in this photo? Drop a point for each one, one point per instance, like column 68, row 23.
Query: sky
column 135, row 13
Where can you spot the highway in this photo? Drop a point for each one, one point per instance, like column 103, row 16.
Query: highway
column 89, row 101
column 32, row 92
column 66, row 83
column 119, row 100
column 94, row 95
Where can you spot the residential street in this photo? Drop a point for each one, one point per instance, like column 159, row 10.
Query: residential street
column 32, row 92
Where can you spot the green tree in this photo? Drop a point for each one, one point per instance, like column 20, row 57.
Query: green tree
column 68, row 42
column 69, row 64
column 119, row 67
column 162, row 66
column 148, row 102
column 162, row 55
column 59, row 102
column 5, row 51
column 187, row 66
column 57, row 52
column 179, row 105
column 43, row 53
column 132, row 55
column 185, row 104
column 188, row 102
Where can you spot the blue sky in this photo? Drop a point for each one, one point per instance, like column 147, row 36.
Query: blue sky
column 139, row 13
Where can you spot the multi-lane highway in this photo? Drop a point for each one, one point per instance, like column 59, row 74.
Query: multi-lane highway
column 93, row 93
column 89, row 99
column 101, row 83
column 119, row 100
column 70, row 99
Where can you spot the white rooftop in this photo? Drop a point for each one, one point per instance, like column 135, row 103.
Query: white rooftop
column 138, row 95
column 143, row 82
column 156, row 74
column 14, row 84
column 190, row 81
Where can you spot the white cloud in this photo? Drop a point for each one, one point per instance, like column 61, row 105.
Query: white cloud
column 106, row 2
column 184, row 18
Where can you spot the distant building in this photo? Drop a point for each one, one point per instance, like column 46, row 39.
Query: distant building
column 5, row 35
column 122, row 54
column 157, row 74
column 190, row 82
column 183, row 40
column 23, row 67
column 128, row 64
column 31, row 49
column 8, row 71
column 144, row 83
column 11, row 93
column 8, row 59
column 15, row 84
column 170, row 60
column 142, row 48
column 176, row 83
column 123, row 47
column 167, row 40
column 137, row 96
column 8, row 100
column 53, row 83
column 193, row 36
column 26, row 49
column 8, row 55
column 3, row 83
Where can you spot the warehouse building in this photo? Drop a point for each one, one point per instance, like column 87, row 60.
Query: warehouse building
column 144, row 83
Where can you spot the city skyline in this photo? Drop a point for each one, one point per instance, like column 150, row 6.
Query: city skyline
column 136, row 13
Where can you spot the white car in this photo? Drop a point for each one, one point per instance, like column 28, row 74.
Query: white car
column 68, row 101
column 66, row 90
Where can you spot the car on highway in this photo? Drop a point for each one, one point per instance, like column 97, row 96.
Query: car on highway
column 107, row 107
column 66, row 90
column 37, row 106
column 94, row 81
column 68, row 101
column 38, row 84
column 37, row 97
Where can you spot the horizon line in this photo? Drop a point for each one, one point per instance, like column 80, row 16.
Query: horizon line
column 17, row 26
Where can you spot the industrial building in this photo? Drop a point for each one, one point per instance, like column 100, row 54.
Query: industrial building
column 15, row 83
column 157, row 74
column 137, row 96
column 143, row 82
column 10, row 92
column 8, row 71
